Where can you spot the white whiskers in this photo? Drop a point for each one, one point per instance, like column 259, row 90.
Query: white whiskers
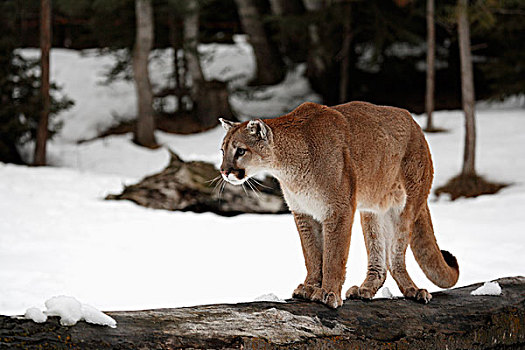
column 253, row 187
column 220, row 185
column 260, row 183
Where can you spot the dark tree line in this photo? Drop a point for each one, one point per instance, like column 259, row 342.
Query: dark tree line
column 337, row 36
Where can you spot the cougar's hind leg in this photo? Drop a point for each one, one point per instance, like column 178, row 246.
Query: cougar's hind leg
column 403, row 224
column 310, row 232
column 376, row 251
column 416, row 175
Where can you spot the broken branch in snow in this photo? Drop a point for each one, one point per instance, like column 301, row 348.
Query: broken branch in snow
column 197, row 186
column 454, row 319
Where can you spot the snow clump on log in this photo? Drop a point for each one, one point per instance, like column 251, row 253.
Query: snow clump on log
column 70, row 311
column 488, row 288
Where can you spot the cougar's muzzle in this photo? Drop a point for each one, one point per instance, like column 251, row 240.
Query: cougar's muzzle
column 233, row 175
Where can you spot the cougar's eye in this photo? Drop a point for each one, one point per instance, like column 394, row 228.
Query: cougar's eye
column 240, row 152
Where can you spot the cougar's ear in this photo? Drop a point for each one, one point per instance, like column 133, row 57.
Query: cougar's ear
column 260, row 129
column 226, row 124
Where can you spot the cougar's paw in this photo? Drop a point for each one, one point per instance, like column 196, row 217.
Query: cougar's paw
column 356, row 292
column 304, row 291
column 330, row 299
column 299, row 292
column 352, row 293
column 319, row 294
column 333, row 300
column 419, row 295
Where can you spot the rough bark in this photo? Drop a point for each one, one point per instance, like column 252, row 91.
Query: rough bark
column 191, row 39
column 318, row 61
column 197, row 186
column 454, row 319
column 282, row 10
column 278, row 7
column 467, row 89
column 210, row 98
column 431, row 54
column 176, row 44
column 145, row 126
column 45, row 46
column 344, row 54
column 270, row 67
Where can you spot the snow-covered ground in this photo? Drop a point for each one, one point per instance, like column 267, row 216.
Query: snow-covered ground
column 59, row 237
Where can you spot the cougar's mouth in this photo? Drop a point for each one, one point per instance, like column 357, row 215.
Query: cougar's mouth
column 235, row 176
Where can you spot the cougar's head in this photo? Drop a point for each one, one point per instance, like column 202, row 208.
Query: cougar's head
column 245, row 150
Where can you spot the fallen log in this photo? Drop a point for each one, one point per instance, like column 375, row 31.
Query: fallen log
column 454, row 319
column 196, row 186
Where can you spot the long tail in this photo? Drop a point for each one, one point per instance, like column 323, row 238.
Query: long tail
column 439, row 266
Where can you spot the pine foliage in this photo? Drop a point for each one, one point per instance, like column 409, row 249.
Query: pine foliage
column 20, row 95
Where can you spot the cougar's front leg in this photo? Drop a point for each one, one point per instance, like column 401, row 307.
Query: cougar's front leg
column 310, row 232
column 336, row 235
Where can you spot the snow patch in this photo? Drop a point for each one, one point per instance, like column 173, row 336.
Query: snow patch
column 95, row 316
column 70, row 311
column 386, row 293
column 35, row 314
column 269, row 297
column 488, row 288
column 67, row 308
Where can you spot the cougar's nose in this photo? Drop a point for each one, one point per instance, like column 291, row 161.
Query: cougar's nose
column 226, row 172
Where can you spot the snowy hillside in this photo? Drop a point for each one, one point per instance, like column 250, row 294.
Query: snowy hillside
column 59, row 237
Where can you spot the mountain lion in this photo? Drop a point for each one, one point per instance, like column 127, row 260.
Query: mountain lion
column 331, row 161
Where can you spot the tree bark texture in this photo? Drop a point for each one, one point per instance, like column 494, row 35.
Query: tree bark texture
column 316, row 52
column 270, row 67
column 45, row 46
column 454, row 319
column 210, row 98
column 287, row 42
column 197, row 186
column 467, row 88
column 176, row 44
column 145, row 127
column 191, row 40
column 431, row 54
column 318, row 61
column 344, row 54
column 278, row 7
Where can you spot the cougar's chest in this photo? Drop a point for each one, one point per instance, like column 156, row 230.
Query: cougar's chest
column 306, row 203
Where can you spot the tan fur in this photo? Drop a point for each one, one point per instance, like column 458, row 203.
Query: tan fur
column 331, row 161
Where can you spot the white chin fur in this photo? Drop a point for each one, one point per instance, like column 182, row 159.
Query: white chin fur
column 234, row 180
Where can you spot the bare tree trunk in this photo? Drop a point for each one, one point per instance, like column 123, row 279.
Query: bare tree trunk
column 344, row 54
column 318, row 60
column 191, row 39
column 283, row 9
column 145, row 127
column 175, row 43
column 210, row 99
column 431, row 54
column 278, row 7
column 467, row 89
column 269, row 63
column 45, row 46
